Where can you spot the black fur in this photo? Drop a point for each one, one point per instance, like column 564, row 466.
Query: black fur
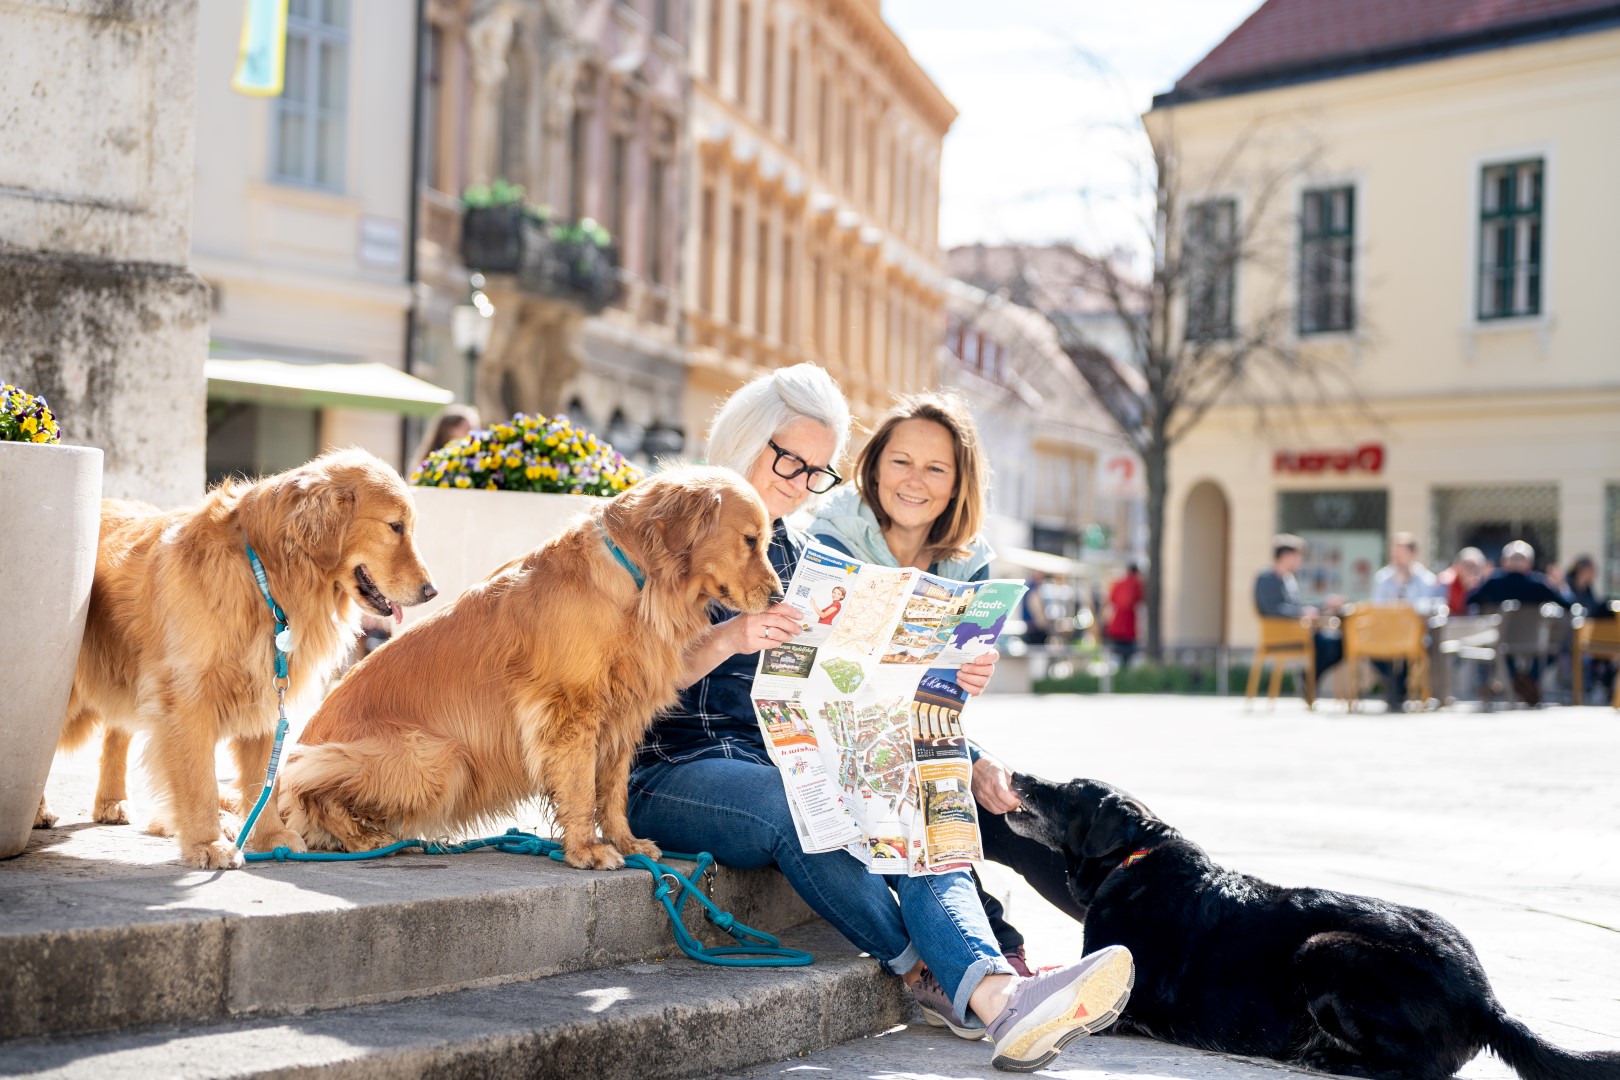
column 1330, row 981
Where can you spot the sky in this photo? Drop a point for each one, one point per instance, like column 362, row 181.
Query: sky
column 1047, row 145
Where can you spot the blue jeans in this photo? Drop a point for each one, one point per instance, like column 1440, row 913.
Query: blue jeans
column 738, row 812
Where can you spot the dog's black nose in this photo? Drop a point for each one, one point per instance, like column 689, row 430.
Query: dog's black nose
column 429, row 592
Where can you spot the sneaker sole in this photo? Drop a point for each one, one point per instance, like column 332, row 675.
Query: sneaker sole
column 934, row 1019
column 1103, row 991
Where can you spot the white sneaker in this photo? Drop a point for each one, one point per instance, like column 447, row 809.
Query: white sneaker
column 1051, row 1010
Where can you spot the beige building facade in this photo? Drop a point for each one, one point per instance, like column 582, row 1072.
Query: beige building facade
column 1445, row 253
column 300, row 227
column 813, row 208
column 1064, row 480
column 583, row 104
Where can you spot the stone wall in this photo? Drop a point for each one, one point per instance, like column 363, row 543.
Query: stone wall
column 100, row 313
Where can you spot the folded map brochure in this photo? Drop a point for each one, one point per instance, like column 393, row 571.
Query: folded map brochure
column 863, row 714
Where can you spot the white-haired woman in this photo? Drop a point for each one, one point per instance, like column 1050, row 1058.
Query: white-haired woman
column 704, row 781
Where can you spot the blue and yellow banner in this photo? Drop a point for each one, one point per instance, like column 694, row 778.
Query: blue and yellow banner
column 261, row 61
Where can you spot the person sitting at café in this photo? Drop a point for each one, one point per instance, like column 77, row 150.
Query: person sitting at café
column 1403, row 581
column 1516, row 580
column 1459, row 579
column 1582, row 589
column 1276, row 595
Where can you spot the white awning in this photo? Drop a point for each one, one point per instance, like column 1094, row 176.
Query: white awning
column 316, row 386
column 1044, row 561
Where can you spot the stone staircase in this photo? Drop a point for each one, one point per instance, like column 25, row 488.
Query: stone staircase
column 117, row 961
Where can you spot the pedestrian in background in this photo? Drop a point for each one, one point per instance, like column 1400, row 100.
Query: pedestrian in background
column 1119, row 615
column 455, row 422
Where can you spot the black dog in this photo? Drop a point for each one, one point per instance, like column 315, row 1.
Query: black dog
column 1226, row 962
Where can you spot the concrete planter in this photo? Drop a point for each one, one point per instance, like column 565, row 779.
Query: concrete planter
column 52, row 501
column 463, row 535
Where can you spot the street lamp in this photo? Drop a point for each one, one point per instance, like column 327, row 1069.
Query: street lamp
column 470, row 325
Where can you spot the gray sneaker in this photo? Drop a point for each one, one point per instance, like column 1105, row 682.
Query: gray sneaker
column 938, row 1010
column 1046, row 1013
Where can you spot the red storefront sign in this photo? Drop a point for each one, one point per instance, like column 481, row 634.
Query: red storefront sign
column 1368, row 458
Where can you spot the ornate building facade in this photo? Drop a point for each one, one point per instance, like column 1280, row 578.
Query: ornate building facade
column 583, row 105
column 813, row 209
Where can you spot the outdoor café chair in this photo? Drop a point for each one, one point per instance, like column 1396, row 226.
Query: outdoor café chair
column 1597, row 637
column 1379, row 632
column 1282, row 640
column 1525, row 633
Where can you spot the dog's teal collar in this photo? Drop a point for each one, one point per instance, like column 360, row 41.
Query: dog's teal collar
column 283, row 635
column 624, row 560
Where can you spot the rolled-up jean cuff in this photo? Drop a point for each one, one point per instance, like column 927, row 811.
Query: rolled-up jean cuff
column 904, row 962
column 973, row 976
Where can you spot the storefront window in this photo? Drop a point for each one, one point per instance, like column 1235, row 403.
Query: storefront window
column 1488, row 517
column 1346, row 531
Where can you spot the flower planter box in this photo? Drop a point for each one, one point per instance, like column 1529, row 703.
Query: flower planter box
column 464, row 534
column 492, row 238
column 48, row 550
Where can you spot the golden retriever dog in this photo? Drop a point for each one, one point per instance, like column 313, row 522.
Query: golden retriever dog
column 540, row 679
column 180, row 643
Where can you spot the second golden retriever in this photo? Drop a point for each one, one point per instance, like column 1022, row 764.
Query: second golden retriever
column 178, row 641
column 541, row 679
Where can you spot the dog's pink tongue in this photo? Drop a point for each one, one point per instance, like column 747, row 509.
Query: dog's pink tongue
column 399, row 613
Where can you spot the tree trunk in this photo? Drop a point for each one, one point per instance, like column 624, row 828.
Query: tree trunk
column 1156, row 462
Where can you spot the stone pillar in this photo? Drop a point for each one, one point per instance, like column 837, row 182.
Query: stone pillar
column 101, row 314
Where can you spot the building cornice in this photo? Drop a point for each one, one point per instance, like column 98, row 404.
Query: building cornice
column 1441, row 405
column 864, row 22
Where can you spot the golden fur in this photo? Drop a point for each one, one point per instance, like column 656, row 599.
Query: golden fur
column 178, row 641
column 541, row 679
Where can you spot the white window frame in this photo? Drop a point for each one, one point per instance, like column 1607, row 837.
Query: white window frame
column 316, row 32
column 1231, row 329
column 1542, row 320
column 1358, row 251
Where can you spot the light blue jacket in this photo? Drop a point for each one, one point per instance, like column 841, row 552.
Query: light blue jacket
column 846, row 519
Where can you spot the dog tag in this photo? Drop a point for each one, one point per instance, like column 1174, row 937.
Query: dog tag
column 284, row 640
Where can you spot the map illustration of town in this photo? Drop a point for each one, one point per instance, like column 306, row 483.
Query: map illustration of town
column 862, row 710
column 874, row 752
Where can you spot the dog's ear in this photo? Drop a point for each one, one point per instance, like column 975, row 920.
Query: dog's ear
column 319, row 508
column 668, row 516
column 691, row 518
column 1114, row 827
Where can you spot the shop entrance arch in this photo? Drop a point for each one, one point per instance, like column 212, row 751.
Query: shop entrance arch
column 1205, row 534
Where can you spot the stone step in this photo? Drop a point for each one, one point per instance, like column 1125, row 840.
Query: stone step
column 100, row 929
column 647, row 1020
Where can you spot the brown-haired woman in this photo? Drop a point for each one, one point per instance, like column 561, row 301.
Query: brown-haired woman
column 921, row 484
column 919, row 496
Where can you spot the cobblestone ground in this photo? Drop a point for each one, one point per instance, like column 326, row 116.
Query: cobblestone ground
column 1506, row 823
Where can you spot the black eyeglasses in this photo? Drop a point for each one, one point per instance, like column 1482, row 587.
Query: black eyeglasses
column 819, row 481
